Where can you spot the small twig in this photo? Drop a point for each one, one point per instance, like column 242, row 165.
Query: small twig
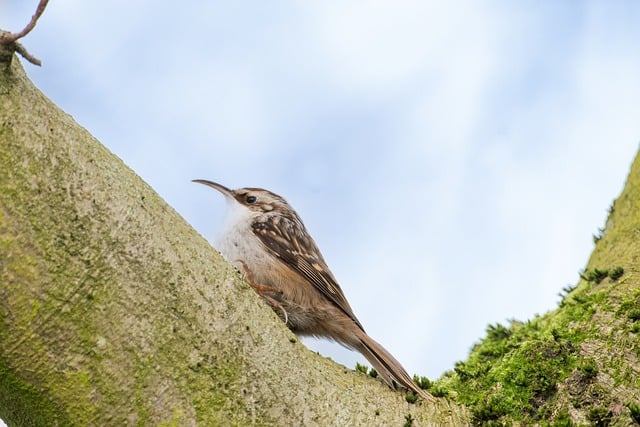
column 26, row 55
column 11, row 39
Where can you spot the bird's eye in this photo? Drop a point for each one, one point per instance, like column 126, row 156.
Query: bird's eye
column 251, row 199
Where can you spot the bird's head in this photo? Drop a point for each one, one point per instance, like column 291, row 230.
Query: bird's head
column 256, row 200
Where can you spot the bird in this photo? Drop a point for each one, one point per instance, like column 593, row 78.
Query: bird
column 266, row 240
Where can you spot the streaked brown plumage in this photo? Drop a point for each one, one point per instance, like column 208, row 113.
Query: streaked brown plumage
column 266, row 239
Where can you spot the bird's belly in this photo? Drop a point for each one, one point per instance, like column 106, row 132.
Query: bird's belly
column 293, row 293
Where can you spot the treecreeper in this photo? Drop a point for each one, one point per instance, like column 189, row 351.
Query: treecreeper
column 266, row 240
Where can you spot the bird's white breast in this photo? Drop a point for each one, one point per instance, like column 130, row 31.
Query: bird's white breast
column 236, row 241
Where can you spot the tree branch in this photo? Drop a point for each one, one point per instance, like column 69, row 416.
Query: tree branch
column 10, row 40
column 114, row 311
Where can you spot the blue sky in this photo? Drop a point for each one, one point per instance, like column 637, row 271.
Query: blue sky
column 451, row 159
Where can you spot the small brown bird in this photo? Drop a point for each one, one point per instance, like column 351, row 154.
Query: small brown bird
column 266, row 240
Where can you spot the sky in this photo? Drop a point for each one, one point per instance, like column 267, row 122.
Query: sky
column 452, row 160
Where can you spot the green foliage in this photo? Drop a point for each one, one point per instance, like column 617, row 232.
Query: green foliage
column 373, row 373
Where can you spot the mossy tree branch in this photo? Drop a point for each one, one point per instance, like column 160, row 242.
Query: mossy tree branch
column 578, row 364
column 114, row 311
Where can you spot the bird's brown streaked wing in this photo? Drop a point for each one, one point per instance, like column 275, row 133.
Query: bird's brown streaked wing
column 280, row 236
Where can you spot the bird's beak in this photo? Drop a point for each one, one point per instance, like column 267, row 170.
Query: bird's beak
column 226, row 192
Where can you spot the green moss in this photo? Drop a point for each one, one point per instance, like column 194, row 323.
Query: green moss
column 600, row 416
column 408, row 420
column 178, row 419
column 364, row 369
column 422, row 382
column 566, row 291
column 514, row 372
column 634, row 314
column 596, row 275
column 439, row 390
column 72, row 269
column 588, row 368
column 361, row 368
column 22, row 404
column 634, row 411
column 616, row 273
column 573, row 359
column 563, row 419
column 411, row 397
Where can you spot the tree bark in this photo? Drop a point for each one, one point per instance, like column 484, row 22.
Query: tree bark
column 114, row 311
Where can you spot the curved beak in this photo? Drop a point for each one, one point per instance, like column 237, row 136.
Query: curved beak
column 226, row 192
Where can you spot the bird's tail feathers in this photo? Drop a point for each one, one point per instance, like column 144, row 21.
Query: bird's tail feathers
column 388, row 368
